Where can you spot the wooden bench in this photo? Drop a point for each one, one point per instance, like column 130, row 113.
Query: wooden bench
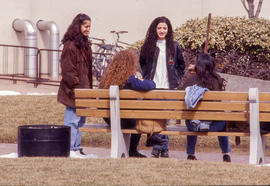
column 170, row 104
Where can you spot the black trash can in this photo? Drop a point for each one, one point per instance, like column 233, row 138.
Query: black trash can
column 43, row 140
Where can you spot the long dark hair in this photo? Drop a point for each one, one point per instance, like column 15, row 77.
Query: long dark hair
column 149, row 46
column 73, row 32
column 205, row 70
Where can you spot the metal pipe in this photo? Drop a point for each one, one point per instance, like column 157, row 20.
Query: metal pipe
column 54, row 45
column 30, row 40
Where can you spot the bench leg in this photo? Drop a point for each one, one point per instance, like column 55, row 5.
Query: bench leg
column 256, row 155
column 119, row 141
column 256, row 150
column 119, row 144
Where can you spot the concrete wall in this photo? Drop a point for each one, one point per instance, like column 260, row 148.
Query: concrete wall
column 132, row 15
column 239, row 83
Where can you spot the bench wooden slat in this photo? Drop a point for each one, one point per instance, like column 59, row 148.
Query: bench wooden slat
column 229, row 116
column 171, row 130
column 98, row 113
column 264, row 107
column 265, row 117
column 92, row 103
column 157, row 105
column 159, row 94
column 92, row 93
column 264, row 96
column 177, row 94
column 180, row 105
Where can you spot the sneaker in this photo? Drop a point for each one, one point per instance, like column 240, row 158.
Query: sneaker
column 226, row 158
column 191, row 157
column 164, row 154
column 136, row 154
column 155, row 153
column 76, row 154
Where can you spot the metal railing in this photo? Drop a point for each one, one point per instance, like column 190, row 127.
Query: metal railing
column 13, row 65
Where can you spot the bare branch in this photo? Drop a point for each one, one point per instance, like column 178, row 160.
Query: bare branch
column 259, row 8
column 251, row 8
column 244, row 4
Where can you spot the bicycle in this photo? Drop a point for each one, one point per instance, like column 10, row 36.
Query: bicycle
column 104, row 52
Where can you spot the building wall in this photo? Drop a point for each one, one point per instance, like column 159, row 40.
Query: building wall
column 132, row 15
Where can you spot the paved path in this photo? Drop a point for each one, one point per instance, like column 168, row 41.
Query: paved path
column 24, row 88
column 8, row 148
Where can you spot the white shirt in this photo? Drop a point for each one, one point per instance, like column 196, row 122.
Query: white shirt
column 161, row 75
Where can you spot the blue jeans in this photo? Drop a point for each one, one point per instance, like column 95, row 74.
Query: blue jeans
column 74, row 122
column 214, row 127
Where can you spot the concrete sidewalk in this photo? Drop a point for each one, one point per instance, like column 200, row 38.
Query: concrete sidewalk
column 8, row 148
column 24, row 88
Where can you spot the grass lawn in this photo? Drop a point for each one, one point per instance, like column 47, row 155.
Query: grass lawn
column 131, row 171
column 24, row 110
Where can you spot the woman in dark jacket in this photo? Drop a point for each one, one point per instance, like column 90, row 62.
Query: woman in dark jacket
column 161, row 60
column 76, row 65
column 122, row 72
column 161, row 57
column 204, row 75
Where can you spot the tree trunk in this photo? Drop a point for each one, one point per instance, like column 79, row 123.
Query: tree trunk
column 251, row 8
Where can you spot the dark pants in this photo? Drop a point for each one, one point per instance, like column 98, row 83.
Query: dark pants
column 161, row 142
column 265, row 127
column 214, row 127
column 128, row 124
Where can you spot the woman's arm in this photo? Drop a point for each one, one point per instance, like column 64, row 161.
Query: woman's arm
column 69, row 68
column 180, row 59
column 137, row 84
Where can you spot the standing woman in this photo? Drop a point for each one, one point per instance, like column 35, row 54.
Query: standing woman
column 76, row 64
column 161, row 60
column 161, row 57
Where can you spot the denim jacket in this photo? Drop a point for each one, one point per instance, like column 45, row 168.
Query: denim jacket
column 193, row 95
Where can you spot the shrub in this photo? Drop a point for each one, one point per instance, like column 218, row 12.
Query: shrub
column 250, row 36
column 240, row 46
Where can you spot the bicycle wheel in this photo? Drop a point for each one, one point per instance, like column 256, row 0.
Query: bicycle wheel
column 98, row 63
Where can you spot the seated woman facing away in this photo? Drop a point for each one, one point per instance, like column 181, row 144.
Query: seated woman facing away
column 204, row 76
column 122, row 72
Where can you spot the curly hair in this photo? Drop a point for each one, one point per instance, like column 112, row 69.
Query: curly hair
column 124, row 64
column 149, row 45
column 73, row 32
column 205, row 70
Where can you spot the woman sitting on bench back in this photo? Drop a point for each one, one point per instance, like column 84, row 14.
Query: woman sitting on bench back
column 124, row 71
column 203, row 75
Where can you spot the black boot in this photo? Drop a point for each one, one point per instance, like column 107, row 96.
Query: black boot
column 134, row 141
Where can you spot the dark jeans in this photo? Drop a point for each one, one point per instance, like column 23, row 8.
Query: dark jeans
column 161, row 142
column 265, row 127
column 127, row 124
column 214, row 127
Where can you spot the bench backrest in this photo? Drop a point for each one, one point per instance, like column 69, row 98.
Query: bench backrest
column 164, row 104
column 264, row 106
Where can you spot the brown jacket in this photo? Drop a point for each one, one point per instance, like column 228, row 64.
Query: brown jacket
column 76, row 72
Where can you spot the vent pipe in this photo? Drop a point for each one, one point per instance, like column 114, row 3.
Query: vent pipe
column 30, row 40
column 54, row 45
